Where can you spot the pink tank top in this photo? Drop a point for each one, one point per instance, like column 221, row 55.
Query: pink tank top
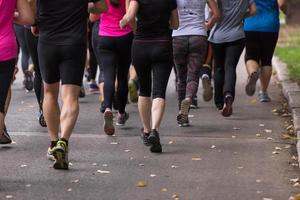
column 8, row 43
column 110, row 20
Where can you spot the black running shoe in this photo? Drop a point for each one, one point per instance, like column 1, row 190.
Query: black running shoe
column 154, row 141
column 28, row 80
column 5, row 138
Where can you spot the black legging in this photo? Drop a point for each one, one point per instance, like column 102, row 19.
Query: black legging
column 6, row 75
column 226, row 57
column 93, row 61
column 115, row 55
column 20, row 34
column 95, row 45
column 32, row 43
column 153, row 63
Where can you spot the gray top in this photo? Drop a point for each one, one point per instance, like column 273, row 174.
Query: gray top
column 230, row 26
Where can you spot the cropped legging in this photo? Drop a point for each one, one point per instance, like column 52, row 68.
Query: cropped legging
column 115, row 53
column 6, row 75
column 189, row 56
column 153, row 61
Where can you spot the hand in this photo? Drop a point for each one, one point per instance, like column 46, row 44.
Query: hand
column 123, row 23
column 35, row 31
column 208, row 26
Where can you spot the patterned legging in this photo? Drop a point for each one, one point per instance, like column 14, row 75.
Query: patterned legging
column 189, row 56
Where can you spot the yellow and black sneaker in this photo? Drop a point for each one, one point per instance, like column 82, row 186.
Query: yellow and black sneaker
column 60, row 153
column 50, row 155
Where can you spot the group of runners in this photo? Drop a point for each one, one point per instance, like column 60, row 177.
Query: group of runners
column 136, row 44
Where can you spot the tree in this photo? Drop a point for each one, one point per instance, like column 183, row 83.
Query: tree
column 293, row 13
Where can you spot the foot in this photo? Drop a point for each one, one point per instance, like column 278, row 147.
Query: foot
column 82, row 92
column 227, row 108
column 93, row 87
column 251, row 83
column 133, row 91
column 109, row 128
column 154, row 141
column 41, row 119
column 183, row 118
column 4, row 137
column 28, row 80
column 207, row 88
column 144, row 137
column 60, row 153
column 264, row 97
column 194, row 104
column 122, row 118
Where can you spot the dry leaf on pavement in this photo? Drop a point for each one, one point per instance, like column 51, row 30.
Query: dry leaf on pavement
column 141, row 184
column 196, row 159
column 103, row 172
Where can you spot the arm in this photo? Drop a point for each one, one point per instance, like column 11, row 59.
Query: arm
column 130, row 14
column 215, row 14
column 282, row 6
column 25, row 14
column 252, row 10
column 97, row 7
column 174, row 21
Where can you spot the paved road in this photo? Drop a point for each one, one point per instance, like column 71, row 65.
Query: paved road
column 214, row 159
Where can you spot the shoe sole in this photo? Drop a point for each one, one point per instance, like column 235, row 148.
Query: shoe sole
column 207, row 89
column 133, row 94
column 227, row 110
column 28, row 81
column 109, row 128
column 155, row 144
column 251, row 85
column 60, row 159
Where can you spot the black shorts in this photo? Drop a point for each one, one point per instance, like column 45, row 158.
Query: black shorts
column 260, row 46
column 63, row 63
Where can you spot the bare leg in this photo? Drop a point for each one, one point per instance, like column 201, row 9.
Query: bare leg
column 252, row 66
column 69, row 110
column 158, row 109
column 51, row 109
column 144, row 105
column 265, row 77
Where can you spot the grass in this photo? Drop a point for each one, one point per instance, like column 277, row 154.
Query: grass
column 288, row 50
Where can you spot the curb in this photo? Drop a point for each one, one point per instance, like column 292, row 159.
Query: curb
column 291, row 92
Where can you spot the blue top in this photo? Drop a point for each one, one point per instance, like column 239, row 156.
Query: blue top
column 266, row 18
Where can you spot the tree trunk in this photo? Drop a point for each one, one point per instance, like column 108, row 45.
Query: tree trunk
column 293, row 15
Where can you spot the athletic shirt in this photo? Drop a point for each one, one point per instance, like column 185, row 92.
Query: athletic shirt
column 191, row 18
column 266, row 18
column 110, row 20
column 8, row 43
column 230, row 27
column 63, row 22
column 153, row 19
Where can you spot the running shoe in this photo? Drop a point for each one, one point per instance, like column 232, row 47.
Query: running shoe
column 60, row 153
column 82, row 92
column 108, row 126
column 182, row 118
column 263, row 97
column 227, row 109
column 144, row 137
column 122, row 118
column 41, row 119
column 93, row 87
column 154, row 141
column 207, row 88
column 251, row 83
column 50, row 155
column 5, row 138
column 28, row 80
column 194, row 104
column 133, row 90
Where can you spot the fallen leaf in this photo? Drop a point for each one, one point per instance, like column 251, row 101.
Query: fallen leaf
column 171, row 142
column 258, row 181
column 261, row 125
column 258, row 135
column 28, row 185
column 69, row 190
column 105, row 165
column 22, row 166
column 275, row 152
column 131, row 158
column 274, row 110
column 9, row 196
column 213, row 147
column 267, row 199
column 278, row 148
column 236, row 129
column 174, row 166
column 94, row 164
column 70, row 164
column 164, row 190
column 268, row 130
column 233, row 136
column 141, row 164
column 253, row 101
column 127, row 150
column 75, row 181
column 141, row 184
column 196, row 159
column 114, row 143
column 190, row 116
column 152, row 175
column 103, row 172
column 259, row 192
column 235, row 153
column 269, row 138
column 174, row 196
column 240, row 167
